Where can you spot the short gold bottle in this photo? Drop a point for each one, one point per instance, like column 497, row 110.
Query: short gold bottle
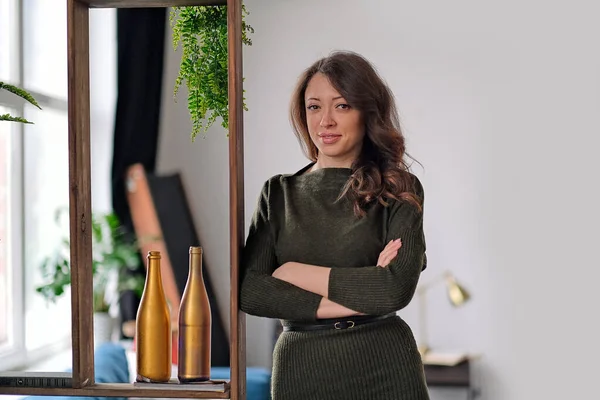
column 194, row 325
column 153, row 327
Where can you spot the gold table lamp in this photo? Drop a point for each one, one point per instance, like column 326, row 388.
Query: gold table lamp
column 457, row 295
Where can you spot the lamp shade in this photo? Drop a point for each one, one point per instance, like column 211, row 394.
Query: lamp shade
column 457, row 294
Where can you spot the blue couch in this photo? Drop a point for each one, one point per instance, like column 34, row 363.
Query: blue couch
column 110, row 366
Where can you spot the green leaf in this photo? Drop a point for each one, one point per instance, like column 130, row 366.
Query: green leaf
column 20, row 92
column 8, row 117
column 111, row 251
column 202, row 33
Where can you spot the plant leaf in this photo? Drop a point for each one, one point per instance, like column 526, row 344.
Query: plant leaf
column 202, row 33
column 20, row 92
column 112, row 251
column 8, row 117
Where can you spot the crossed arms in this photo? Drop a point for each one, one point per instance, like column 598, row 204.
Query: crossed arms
column 298, row 291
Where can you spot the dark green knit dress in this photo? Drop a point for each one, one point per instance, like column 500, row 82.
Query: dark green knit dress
column 298, row 219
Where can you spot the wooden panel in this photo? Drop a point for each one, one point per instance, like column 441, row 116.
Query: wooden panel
column 147, row 227
column 236, row 197
column 149, row 3
column 171, row 207
column 220, row 391
column 80, row 196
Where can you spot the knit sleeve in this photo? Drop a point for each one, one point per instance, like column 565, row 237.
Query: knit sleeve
column 380, row 290
column 262, row 294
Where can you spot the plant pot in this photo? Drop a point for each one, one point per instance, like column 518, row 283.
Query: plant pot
column 104, row 326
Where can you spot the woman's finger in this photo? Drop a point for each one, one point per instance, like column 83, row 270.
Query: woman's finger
column 390, row 257
column 391, row 249
column 384, row 260
column 393, row 244
column 389, row 253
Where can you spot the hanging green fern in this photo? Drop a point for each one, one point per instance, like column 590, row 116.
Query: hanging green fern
column 202, row 32
column 21, row 93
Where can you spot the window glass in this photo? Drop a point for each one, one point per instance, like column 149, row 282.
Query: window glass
column 46, row 191
column 5, row 234
column 6, row 33
column 45, row 47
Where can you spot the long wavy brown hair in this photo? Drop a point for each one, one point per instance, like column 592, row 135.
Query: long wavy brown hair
column 381, row 171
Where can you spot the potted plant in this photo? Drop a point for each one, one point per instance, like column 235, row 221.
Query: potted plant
column 21, row 93
column 113, row 256
column 202, row 33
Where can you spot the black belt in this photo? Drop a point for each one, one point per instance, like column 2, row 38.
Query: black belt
column 338, row 323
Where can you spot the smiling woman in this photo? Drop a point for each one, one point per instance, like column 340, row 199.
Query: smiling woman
column 345, row 115
column 336, row 249
column 334, row 126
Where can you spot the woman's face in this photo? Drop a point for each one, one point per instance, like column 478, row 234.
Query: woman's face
column 335, row 127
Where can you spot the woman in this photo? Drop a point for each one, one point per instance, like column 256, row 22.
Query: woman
column 337, row 248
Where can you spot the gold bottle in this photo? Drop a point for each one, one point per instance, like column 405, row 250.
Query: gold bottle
column 153, row 327
column 194, row 325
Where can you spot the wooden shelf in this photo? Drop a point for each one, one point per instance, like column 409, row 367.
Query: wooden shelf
column 80, row 206
column 217, row 391
column 149, row 3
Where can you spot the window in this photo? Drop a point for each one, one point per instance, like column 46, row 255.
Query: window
column 10, row 158
column 6, row 334
column 34, row 166
column 45, row 47
column 5, row 277
column 7, row 27
column 46, row 157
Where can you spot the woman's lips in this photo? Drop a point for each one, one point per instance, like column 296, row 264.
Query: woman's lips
column 329, row 138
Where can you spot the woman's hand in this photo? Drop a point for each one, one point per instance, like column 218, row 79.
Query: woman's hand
column 389, row 253
column 329, row 309
column 282, row 271
column 308, row 277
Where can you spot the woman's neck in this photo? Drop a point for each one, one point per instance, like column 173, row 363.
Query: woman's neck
column 326, row 162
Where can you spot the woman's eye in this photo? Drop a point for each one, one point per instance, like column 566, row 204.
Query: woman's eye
column 343, row 106
column 312, row 107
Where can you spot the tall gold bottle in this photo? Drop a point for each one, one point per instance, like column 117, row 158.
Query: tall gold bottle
column 194, row 325
column 153, row 327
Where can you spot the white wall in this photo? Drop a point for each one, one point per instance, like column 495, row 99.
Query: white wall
column 499, row 102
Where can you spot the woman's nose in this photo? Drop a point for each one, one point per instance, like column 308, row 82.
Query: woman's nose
column 327, row 120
